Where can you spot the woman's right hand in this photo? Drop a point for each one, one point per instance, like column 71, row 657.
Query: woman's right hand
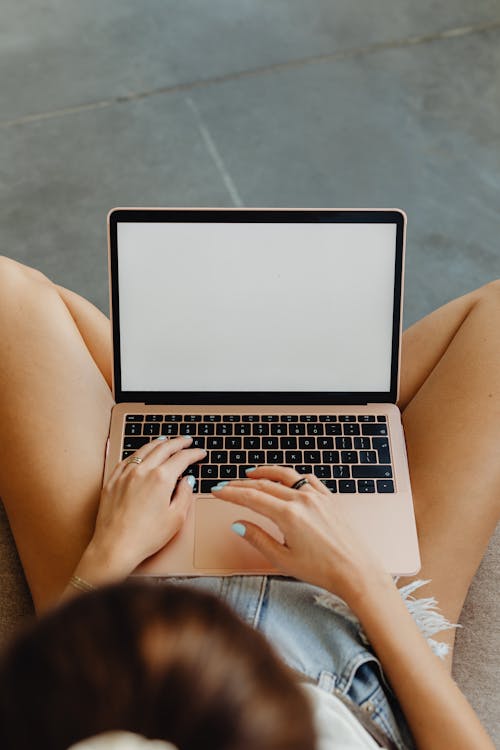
column 320, row 547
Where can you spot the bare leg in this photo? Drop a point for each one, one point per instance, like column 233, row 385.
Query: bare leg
column 55, row 404
column 450, row 396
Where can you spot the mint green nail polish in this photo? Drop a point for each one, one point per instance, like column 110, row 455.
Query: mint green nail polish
column 239, row 529
column 247, row 471
column 191, row 480
column 219, row 486
column 188, row 437
column 162, row 437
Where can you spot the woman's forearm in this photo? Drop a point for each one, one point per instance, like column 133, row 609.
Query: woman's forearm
column 437, row 712
column 99, row 567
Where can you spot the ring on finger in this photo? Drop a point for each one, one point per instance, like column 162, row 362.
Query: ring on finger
column 300, row 483
column 134, row 460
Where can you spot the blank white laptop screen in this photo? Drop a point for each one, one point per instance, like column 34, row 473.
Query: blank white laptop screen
column 208, row 306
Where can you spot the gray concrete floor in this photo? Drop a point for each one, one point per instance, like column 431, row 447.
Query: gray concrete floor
column 228, row 102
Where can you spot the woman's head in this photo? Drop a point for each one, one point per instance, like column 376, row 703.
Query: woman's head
column 163, row 661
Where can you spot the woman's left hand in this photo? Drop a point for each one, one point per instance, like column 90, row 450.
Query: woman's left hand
column 320, row 547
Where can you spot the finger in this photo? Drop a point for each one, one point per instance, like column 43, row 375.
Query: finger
column 283, row 474
column 261, row 502
column 316, row 483
column 182, row 499
column 266, row 485
column 158, row 449
column 274, row 551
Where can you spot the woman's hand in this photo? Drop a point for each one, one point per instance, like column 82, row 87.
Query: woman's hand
column 319, row 547
column 142, row 507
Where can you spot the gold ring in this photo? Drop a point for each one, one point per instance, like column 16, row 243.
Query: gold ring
column 135, row 460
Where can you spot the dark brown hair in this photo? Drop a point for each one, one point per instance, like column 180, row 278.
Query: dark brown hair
column 164, row 661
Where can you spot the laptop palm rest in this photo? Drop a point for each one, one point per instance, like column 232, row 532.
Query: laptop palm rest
column 217, row 546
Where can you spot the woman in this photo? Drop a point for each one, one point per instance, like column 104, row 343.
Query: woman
column 56, row 344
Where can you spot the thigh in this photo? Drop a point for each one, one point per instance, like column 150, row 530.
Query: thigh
column 55, row 409
column 452, row 430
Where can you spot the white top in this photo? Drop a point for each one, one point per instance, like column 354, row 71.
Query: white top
column 336, row 729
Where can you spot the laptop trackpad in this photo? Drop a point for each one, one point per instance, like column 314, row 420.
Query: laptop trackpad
column 217, row 546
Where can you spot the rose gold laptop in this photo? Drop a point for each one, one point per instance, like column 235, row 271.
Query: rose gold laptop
column 271, row 336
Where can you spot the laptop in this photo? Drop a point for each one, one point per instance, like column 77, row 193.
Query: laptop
column 270, row 336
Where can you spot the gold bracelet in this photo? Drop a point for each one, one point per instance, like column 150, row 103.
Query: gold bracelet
column 80, row 584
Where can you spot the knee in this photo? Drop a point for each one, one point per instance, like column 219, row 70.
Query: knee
column 491, row 291
column 11, row 271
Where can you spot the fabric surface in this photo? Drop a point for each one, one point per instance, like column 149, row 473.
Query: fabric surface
column 476, row 665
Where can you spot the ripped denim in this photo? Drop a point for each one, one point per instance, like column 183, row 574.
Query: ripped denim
column 317, row 634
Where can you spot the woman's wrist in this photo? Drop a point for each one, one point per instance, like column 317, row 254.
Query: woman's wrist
column 101, row 564
column 362, row 587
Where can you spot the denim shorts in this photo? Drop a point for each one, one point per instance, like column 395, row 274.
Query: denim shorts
column 317, row 635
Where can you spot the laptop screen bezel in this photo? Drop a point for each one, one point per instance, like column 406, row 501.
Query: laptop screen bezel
column 252, row 215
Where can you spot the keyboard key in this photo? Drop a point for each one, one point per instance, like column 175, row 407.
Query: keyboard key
column 349, row 457
column 327, row 418
column 150, row 428
column 343, row 443
column 132, row 443
column 341, row 472
column 228, row 472
column 325, row 442
column 241, row 471
column 232, row 442
column 294, row 457
column 308, row 418
column 351, row 429
column 207, row 484
column 242, row 429
column 279, row 429
column 173, row 418
column 297, row 429
column 347, row 418
column 214, row 442
column 257, row 429
column 312, row 457
column 198, row 442
column 331, row 484
column 374, row 429
column 386, row 485
column 210, row 470
column 238, row 457
column 288, row 442
column 333, row 429
column 322, row 472
column 381, row 445
column 274, row 457
column 212, row 418
column 126, row 454
column 134, row 418
column 270, row 442
column 193, row 471
column 248, row 418
column 133, row 428
column 331, row 457
column 381, row 419
column 171, row 428
column 218, row 457
column 366, row 485
column 307, row 443
column 192, row 418
column 347, row 485
column 315, row 429
column 188, row 428
column 368, row 457
column 206, row 429
column 154, row 417
column 303, row 469
column 224, row 428
column 270, row 418
column 366, row 418
column 289, row 418
column 257, row 457
column 232, row 418
column 371, row 472
column 364, row 443
column 254, row 442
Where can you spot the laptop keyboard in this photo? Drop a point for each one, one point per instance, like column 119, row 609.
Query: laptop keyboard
column 348, row 453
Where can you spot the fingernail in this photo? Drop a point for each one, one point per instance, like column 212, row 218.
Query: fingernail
column 191, row 480
column 219, row 486
column 188, row 437
column 247, row 471
column 239, row 529
column 162, row 437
